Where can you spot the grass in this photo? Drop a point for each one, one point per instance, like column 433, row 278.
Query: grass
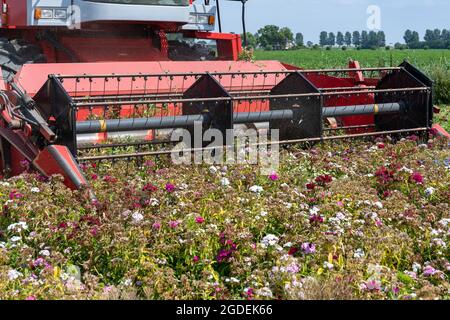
column 435, row 63
column 443, row 118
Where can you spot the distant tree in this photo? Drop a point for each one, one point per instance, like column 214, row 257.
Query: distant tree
column 408, row 36
column 323, row 38
column 331, row 39
column 434, row 39
column 286, row 37
column 348, row 38
column 309, row 44
column 446, row 38
column 356, row 38
column 340, row 39
column 364, row 39
column 412, row 39
column 299, row 40
column 252, row 40
column 373, row 40
column 381, row 37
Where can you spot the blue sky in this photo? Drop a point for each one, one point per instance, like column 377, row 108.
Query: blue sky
column 312, row 16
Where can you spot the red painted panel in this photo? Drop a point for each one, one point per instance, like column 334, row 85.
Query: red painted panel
column 17, row 12
column 33, row 76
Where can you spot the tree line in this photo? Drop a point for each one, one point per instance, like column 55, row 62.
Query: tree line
column 433, row 39
column 272, row 37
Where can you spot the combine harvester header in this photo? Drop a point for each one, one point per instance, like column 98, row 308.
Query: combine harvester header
column 56, row 115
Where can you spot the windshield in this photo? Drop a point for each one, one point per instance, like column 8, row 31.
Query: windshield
column 148, row 2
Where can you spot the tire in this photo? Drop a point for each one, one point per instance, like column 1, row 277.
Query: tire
column 15, row 53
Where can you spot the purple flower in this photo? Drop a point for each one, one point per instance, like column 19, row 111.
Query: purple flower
column 429, row 271
column 170, row 187
column 308, row 248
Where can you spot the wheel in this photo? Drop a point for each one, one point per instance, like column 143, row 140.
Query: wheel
column 15, row 53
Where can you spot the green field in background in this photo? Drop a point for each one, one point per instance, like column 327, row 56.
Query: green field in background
column 311, row 59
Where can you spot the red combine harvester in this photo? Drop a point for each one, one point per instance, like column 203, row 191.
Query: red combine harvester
column 77, row 74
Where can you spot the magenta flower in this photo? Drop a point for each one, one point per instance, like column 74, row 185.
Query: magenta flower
column 195, row 259
column 273, row 176
column 30, row 298
column 308, row 248
column 199, row 220
column 170, row 187
column 417, row 178
column 156, row 226
column 174, row 224
column 94, row 176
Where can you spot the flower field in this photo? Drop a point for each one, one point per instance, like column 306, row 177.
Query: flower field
column 340, row 220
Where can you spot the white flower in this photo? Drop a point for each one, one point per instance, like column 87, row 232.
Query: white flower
column 154, row 202
column 407, row 170
column 128, row 282
column 224, row 182
column 269, row 240
column 15, row 238
column 264, row 292
column 416, row 267
column 359, row 253
column 18, row 227
column 378, row 204
column 328, row 265
column 213, row 169
column 14, row 274
column 314, row 210
column 287, row 245
column 35, row 190
column 44, row 253
column 137, row 217
column 429, row 191
column 256, row 189
column 263, row 213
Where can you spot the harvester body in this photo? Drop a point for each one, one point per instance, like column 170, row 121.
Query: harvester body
column 115, row 77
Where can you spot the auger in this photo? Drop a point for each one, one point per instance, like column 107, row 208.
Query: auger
column 81, row 76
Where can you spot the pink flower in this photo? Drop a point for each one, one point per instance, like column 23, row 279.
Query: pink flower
column 170, row 187
column 308, row 248
column 273, row 176
column 195, row 259
column 199, row 220
column 30, row 298
column 174, row 224
column 156, row 226
column 417, row 178
column 429, row 271
column 373, row 285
